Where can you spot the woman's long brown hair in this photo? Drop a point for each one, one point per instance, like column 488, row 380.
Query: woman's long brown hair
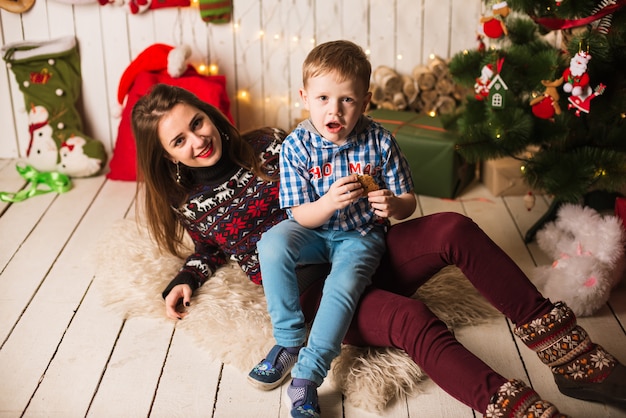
column 156, row 174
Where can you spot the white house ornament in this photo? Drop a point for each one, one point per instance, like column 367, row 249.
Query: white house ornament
column 497, row 92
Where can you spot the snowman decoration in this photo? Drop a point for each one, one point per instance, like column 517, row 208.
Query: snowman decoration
column 75, row 162
column 42, row 152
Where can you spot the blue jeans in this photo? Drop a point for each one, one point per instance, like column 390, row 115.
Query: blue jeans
column 354, row 260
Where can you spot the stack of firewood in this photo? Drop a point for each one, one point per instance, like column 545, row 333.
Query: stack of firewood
column 428, row 89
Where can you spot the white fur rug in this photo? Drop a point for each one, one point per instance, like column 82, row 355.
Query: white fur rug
column 228, row 315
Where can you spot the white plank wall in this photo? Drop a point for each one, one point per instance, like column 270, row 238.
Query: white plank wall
column 260, row 51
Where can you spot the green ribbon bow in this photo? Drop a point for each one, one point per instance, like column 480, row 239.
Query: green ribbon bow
column 51, row 181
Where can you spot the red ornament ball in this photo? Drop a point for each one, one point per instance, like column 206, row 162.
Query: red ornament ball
column 493, row 28
column 544, row 108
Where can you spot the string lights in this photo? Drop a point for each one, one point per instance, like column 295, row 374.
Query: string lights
column 258, row 43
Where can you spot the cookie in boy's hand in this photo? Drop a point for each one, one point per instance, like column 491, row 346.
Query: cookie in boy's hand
column 368, row 183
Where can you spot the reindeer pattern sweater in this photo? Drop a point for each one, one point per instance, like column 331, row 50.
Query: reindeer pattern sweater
column 226, row 214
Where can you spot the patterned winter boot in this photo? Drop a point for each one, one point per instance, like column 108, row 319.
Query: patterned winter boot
column 48, row 75
column 516, row 400
column 581, row 369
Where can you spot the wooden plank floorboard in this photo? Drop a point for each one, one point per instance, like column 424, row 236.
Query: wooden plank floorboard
column 20, row 284
column 73, row 374
column 18, row 221
column 72, row 378
column 433, row 402
column 38, row 252
column 189, row 383
column 132, row 374
column 69, row 356
column 10, row 181
column 236, row 396
column 64, row 281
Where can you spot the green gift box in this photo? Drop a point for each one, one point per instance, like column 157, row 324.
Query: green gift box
column 437, row 167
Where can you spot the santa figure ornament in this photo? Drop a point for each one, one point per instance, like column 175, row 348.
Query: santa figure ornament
column 583, row 104
column 481, row 86
column 576, row 83
column 575, row 78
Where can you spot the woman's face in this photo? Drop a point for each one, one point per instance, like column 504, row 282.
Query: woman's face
column 190, row 137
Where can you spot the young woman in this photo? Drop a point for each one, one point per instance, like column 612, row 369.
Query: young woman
column 202, row 176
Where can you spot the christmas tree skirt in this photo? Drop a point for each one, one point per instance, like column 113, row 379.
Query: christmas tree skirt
column 228, row 316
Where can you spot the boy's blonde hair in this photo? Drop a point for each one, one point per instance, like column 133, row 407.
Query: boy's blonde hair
column 345, row 58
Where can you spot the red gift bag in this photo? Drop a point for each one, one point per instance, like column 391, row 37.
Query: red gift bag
column 147, row 70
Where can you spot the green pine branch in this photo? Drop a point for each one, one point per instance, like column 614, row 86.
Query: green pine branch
column 572, row 154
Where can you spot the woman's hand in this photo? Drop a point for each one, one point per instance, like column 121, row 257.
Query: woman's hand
column 176, row 301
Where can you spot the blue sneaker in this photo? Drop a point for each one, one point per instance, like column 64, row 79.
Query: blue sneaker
column 304, row 401
column 273, row 369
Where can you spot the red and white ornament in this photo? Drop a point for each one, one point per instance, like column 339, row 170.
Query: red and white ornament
column 583, row 104
column 576, row 82
column 547, row 105
column 575, row 78
column 493, row 26
column 481, row 85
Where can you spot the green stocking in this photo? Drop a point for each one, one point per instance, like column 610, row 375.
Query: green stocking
column 216, row 11
column 48, row 74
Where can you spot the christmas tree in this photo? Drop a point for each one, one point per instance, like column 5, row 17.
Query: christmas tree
column 550, row 89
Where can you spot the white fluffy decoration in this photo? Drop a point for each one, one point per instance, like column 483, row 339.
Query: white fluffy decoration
column 588, row 253
column 228, row 316
column 177, row 60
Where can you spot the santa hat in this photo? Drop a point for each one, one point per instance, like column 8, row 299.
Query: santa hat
column 157, row 58
column 499, row 6
column 583, row 56
column 488, row 70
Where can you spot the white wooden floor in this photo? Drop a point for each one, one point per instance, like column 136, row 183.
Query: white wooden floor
column 63, row 355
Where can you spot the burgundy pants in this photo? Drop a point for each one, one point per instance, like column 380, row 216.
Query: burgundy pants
column 388, row 317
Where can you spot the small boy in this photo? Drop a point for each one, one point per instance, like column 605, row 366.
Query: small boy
column 331, row 219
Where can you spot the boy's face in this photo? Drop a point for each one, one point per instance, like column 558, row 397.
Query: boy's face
column 334, row 106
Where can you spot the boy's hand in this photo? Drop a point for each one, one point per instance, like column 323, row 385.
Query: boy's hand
column 341, row 193
column 344, row 192
column 386, row 204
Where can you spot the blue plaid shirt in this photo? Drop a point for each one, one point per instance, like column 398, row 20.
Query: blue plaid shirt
column 309, row 164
